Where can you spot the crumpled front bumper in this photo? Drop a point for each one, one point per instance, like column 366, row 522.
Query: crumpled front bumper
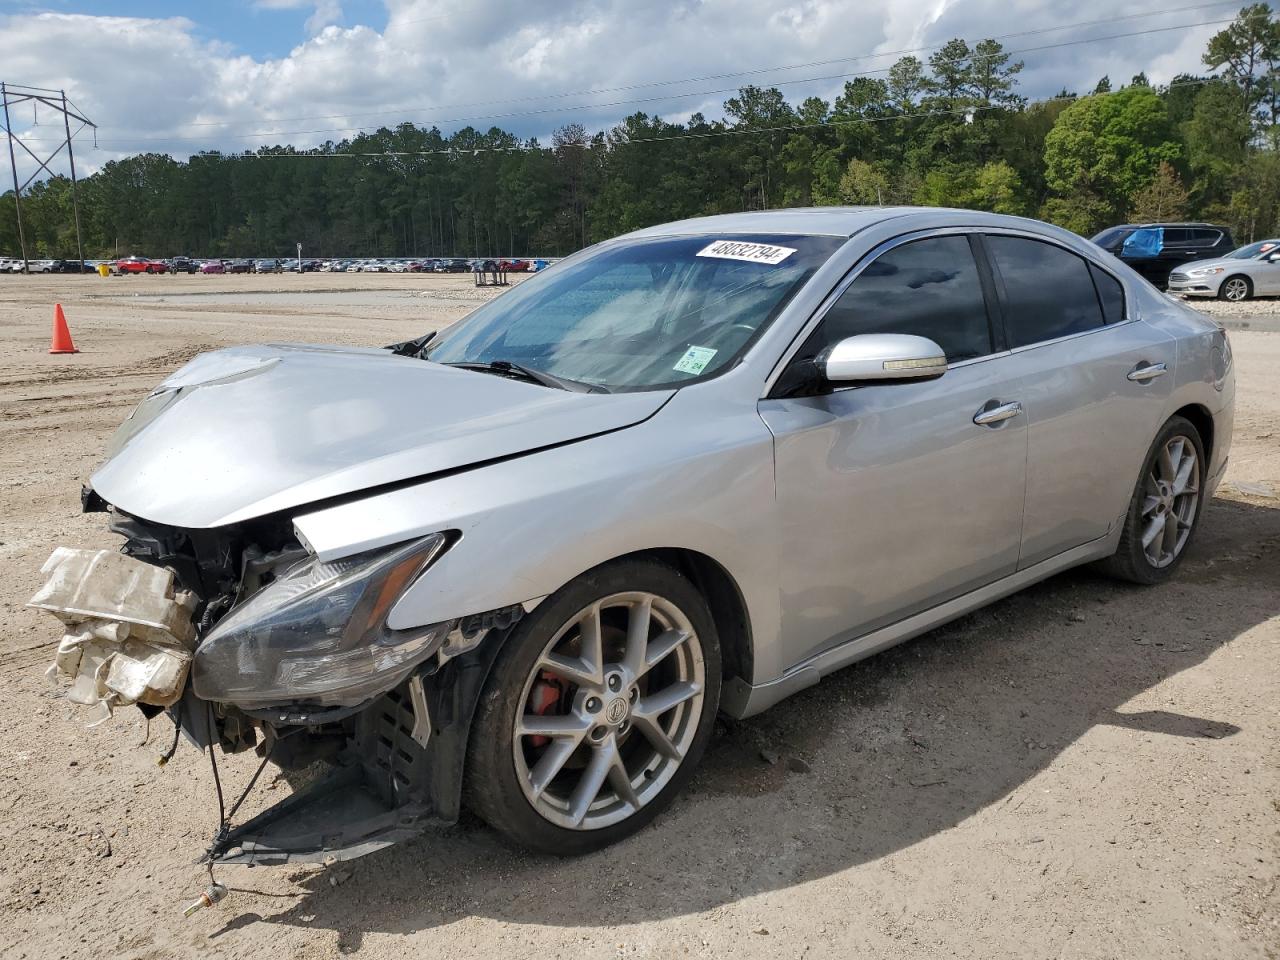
column 128, row 632
column 399, row 763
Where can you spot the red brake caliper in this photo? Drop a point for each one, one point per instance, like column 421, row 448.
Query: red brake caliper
column 543, row 699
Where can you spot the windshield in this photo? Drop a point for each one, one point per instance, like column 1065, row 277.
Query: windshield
column 1253, row 250
column 641, row 314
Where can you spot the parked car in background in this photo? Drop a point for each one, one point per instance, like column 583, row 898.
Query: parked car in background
column 267, row 265
column 834, row 430
column 73, row 266
column 183, row 265
column 456, row 265
column 1154, row 250
column 1250, row 271
column 132, row 265
column 213, row 266
column 240, row 266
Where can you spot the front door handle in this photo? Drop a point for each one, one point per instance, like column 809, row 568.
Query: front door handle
column 994, row 412
column 1147, row 371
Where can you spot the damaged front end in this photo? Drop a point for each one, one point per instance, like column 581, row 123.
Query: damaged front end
column 251, row 642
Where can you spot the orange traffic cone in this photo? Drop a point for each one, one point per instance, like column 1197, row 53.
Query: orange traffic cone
column 61, row 335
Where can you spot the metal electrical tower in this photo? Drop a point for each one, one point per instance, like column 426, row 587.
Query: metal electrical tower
column 13, row 94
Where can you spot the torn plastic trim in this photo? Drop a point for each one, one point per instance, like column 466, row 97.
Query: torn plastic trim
column 389, row 785
column 340, row 818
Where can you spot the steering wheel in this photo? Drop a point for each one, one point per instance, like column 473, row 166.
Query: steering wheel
column 702, row 335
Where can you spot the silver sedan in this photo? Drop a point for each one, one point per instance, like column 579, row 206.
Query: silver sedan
column 1250, row 271
column 521, row 564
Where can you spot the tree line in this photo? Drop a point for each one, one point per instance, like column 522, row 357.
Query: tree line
column 951, row 130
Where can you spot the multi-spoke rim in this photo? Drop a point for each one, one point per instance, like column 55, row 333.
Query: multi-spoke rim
column 1170, row 500
column 1236, row 289
column 609, row 711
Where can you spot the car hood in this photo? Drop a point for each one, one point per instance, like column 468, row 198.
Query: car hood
column 248, row 431
column 1224, row 262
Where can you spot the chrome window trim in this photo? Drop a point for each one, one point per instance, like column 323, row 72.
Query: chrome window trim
column 855, row 271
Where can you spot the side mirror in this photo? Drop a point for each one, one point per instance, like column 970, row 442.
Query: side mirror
column 1273, row 257
column 877, row 357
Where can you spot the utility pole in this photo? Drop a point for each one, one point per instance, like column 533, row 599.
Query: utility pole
column 75, row 199
column 13, row 165
column 12, row 94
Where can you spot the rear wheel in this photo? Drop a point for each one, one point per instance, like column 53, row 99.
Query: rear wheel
column 1165, row 507
column 597, row 712
column 1235, row 289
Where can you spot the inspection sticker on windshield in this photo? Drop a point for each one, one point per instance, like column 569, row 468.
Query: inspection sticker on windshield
column 751, row 252
column 695, row 360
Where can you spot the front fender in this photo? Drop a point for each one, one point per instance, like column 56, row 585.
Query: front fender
column 699, row 479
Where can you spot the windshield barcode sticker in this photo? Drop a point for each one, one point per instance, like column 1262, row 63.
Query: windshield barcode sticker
column 751, row 252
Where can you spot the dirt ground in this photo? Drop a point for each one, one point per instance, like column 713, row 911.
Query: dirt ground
column 1084, row 770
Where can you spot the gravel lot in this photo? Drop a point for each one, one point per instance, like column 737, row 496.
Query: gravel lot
column 1084, row 770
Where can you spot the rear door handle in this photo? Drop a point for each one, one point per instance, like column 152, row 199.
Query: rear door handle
column 1147, row 371
column 990, row 415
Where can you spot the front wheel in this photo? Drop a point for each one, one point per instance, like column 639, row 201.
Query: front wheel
column 1235, row 289
column 598, row 711
column 1165, row 507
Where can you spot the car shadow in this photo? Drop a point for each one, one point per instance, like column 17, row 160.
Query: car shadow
column 876, row 758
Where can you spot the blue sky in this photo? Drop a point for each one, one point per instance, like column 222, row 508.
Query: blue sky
column 260, row 30
column 240, row 74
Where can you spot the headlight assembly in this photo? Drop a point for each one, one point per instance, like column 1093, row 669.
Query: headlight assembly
column 318, row 634
column 1205, row 271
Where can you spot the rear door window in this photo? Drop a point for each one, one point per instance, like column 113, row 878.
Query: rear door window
column 1110, row 294
column 1176, row 236
column 1048, row 292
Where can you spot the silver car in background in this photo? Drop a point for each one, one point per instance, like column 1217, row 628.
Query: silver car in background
column 1249, row 271
column 521, row 564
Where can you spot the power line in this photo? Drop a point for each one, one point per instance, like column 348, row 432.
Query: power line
column 701, row 135
column 679, row 96
column 395, row 111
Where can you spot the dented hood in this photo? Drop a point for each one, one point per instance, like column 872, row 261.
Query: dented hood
column 248, row 431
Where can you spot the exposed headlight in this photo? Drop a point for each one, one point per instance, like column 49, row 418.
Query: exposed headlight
column 318, row 633
column 1205, row 271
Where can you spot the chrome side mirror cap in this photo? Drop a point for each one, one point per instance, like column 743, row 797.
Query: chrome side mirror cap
column 873, row 357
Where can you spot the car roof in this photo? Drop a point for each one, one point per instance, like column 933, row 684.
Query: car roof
column 837, row 221
column 1167, row 223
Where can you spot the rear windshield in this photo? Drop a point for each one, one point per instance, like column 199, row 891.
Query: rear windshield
column 1112, row 236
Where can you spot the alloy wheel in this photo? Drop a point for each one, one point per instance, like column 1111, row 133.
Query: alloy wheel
column 1171, row 499
column 1235, row 289
column 609, row 711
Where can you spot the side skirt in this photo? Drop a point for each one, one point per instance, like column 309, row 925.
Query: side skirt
column 742, row 700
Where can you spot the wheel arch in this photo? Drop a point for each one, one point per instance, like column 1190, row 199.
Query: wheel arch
column 723, row 596
column 1202, row 420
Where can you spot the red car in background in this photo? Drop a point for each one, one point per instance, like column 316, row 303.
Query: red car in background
column 140, row 265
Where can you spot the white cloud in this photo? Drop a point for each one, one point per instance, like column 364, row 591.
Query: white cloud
column 157, row 84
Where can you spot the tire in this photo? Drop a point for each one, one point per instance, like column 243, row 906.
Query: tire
column 1133, row 560
column 618, row 756
column 1236, row 289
